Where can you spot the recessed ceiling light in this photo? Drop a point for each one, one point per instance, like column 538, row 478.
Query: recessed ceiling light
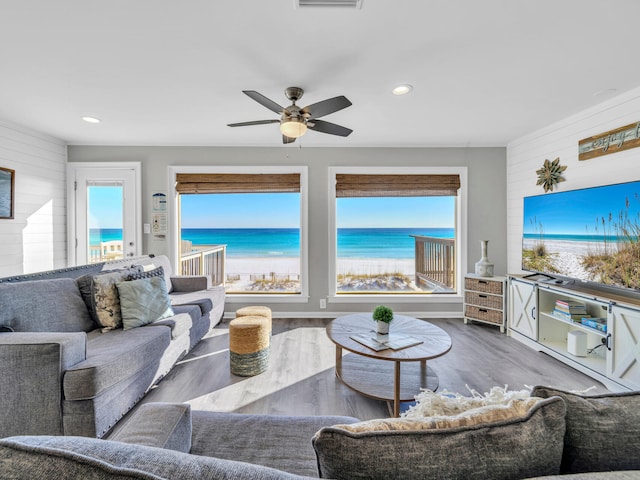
column 402, row 89
column 91, row 119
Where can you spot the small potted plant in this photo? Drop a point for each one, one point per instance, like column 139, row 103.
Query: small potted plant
column 382, row 316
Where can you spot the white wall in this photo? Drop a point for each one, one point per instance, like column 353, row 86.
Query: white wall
column 527, row 154
column 486, row 200
column 35, row 239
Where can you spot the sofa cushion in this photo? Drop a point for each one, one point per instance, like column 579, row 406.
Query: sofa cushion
column 282, row 442
column 525, row 443
column 26, row 458
column 183, row 320
column 162, row 425
column 603, row 431
column 143, row 301
column 112, row 357
column 215, row 295
column 160, row 261
column 204, row 304
column 44, row 306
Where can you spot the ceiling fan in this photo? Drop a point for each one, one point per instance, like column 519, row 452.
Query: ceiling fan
column 294, row 121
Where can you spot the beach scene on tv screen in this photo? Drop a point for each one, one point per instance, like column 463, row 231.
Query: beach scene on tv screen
column 591, row 234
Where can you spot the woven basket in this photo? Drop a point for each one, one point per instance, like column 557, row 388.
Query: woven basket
column 483, row 300
column 484, row 314
column 486, row 286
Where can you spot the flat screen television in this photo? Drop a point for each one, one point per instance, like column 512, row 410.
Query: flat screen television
column 589, row 235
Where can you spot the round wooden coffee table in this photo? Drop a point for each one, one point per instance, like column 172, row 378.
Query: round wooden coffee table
column 379, row 374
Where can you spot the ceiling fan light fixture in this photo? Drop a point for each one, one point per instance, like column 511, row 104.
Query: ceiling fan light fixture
column 402, row 89
column 293, row 128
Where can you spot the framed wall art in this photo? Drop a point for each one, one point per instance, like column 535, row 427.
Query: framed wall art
column 7, row 187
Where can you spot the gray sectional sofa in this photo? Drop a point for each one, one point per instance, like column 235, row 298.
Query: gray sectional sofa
column 68, row 368
column 169, row 441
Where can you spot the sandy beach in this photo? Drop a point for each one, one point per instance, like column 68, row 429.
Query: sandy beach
column 291, row 266
column 284, row 272
column 567, row 254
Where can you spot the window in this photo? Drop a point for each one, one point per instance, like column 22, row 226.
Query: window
column 395, row 233
column 259, row 217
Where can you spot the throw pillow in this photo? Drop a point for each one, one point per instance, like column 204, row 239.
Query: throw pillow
column 155, row 272
column 603, row 431
column 429, row 403
column 519, row 440
column 143, row 301
column 100, row 294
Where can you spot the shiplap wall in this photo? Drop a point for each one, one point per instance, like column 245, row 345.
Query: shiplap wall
column 35, row 239
column 527, row 154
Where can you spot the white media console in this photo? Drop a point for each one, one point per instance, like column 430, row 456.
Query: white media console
column 612, row 353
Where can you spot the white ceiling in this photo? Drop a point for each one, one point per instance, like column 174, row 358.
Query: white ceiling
column 171, row 72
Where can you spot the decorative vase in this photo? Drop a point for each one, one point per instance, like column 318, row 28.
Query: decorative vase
column 382, row 328
column 484, row 267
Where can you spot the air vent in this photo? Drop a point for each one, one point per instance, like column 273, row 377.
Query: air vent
column 328, row 3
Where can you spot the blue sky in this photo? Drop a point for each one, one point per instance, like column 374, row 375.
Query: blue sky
column 105, row 207
column 396, row 212
column 241, row 210
column 281, row 210
column 578, row 211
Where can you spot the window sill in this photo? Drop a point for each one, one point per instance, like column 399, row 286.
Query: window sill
column 266, row 298
column 378, row 298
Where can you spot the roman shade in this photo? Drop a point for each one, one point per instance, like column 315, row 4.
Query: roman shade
column 358, row 185
column 188, row 183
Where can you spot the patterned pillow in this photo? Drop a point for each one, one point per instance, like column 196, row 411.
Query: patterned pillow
column 143, row 301
column 603, row 431
column 156, row 272
column 101, row 296
column 524, row 439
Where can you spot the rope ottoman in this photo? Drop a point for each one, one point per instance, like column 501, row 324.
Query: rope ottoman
column 255, row 311
column 249, row 345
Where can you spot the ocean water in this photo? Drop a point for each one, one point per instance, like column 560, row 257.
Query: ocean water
column 97, row 235
column 574, row 238
column 285, row 242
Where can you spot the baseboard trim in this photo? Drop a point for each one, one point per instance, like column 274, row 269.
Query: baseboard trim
column 426, row 315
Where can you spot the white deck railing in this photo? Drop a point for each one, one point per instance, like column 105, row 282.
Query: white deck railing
column 208, row 261
column 435, row 262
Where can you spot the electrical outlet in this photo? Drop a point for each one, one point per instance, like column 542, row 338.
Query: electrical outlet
column 323, row 303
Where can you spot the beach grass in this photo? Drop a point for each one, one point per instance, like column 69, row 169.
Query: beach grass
column 539, row 259
column 386, row 281
column 617, row 262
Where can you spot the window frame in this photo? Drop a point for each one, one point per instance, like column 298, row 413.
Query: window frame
column 174, row 233
column 461, row 237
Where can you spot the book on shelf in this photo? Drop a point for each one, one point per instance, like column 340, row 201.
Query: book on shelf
column 392, row 341
column 597, row 323
column 573, row 308
column 574, row 317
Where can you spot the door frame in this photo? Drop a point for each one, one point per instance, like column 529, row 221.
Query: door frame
column 72, row 169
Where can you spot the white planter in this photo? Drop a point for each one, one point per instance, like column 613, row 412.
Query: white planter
column 382, row 328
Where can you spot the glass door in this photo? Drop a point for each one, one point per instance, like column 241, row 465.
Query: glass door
column 105, row 214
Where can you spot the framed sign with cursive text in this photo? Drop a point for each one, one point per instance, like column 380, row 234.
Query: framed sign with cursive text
column 613, row 141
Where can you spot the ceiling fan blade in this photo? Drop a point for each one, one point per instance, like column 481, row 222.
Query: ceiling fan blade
column 328, row 127
column 264, row 101
column 256, row 122
column 286, row 139
column 325, row 107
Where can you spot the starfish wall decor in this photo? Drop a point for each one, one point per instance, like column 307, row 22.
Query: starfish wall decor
column 550, row 174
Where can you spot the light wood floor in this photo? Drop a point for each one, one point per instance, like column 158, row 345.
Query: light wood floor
column 301, row 378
